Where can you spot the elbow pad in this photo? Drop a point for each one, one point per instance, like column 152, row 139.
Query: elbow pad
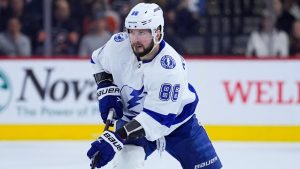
column 102, row 77
column 131, row 131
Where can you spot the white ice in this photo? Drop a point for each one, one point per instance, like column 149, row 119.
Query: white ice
column 72, row 155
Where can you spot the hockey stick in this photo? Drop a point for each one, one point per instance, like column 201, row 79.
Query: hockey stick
column 109, row 121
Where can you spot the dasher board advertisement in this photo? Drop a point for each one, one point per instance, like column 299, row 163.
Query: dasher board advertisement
column 247, row 92
column 47, row 91
column 231, row 92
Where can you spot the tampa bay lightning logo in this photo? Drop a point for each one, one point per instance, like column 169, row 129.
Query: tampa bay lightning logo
column 135, row 97
column 167, row 62
column 120, row 37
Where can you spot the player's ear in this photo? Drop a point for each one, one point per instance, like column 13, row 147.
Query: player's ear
column 158, row 33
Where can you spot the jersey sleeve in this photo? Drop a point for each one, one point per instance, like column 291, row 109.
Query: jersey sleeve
column 162, row 102
column 103, row 58
column 100, row 60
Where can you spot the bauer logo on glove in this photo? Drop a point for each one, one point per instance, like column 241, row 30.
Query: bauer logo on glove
column 107, row 145
column 109, row 98
column 111, row 90
column 113, row 141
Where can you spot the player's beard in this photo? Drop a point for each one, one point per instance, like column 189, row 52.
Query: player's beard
column 145, row 52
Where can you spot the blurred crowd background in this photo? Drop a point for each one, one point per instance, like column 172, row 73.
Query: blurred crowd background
column 74, row 28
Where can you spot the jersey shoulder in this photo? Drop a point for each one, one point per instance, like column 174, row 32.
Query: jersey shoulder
column 118, row 41
column 119, row 37
column 114, row 46
column 168, row 58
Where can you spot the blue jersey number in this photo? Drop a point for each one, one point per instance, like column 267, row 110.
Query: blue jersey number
column 168, row 91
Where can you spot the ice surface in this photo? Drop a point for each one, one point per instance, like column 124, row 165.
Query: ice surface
column 72, row 155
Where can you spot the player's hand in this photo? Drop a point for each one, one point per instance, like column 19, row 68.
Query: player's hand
column 109, row 97
column 107, row 145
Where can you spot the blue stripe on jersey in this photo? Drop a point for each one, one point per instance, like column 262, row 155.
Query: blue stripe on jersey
column 171, row 119
column 188, row 109
column 129, row 117
column 131, row 114
column 166, row 120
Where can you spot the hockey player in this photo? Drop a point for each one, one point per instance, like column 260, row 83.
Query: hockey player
column 144, row 80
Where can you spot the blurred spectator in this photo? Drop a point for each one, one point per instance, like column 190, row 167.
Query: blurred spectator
column 97, row 36
column 93, row 7
column 284, row 19
column 268, row 41
column 65, row 31
column 113, row 21
column 225, row 24
column 295, row 40
column 12, row 41
column 30, row 16
column 294, row 8
column 170, row 31
column 123, row 11
column 186, row 23
column 16, row 8
column 3, row 14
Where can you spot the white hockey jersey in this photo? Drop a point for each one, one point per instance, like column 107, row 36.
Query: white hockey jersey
column 156, row 93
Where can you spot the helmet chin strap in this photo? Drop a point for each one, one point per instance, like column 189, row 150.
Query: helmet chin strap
column 154, row 34
column 156, row 43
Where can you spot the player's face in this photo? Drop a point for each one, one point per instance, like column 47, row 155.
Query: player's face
column 141, row 41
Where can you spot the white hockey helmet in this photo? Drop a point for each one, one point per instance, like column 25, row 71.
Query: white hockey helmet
column 146, row 16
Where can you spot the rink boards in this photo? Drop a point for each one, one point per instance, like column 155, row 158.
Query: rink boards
column 54, row 99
